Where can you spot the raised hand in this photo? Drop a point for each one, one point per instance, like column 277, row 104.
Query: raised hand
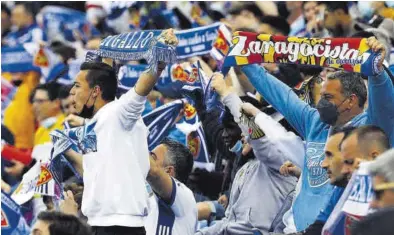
column 377, row 46
column 249, row 109
column 219, row 85
column 168, row 37
column 289, row 169
column 75, row 120
column 68, row 205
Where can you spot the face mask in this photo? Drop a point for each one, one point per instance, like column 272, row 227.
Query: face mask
column 237, row 148
column 87, row 112
column 17, row 82
column 328, row 111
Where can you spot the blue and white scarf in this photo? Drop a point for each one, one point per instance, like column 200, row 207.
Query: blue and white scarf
column 12, row 221
column 161, row 120
column 16, row 59
column 136, row 46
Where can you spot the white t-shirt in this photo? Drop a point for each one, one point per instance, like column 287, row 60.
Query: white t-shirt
column 176, row 218
column 116, row 163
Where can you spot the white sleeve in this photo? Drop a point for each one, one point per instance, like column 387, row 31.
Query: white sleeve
column 288, row 142
column 37, row 35
column 182, row 199
column 131, row 106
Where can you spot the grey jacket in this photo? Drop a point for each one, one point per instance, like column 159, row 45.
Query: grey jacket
column 259, row 190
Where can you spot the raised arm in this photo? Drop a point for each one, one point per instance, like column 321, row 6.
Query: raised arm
column 381, row 96
column 133, row 102
column 161, row 182
column 278, row 146
column 282, row 98
column 75, row 159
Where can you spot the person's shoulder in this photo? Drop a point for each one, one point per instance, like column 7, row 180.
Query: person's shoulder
column 183, row 191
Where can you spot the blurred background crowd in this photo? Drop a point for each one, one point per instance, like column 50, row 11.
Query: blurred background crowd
column 36, row 100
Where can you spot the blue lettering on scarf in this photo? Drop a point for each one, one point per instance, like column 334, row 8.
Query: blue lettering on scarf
column 362, row 189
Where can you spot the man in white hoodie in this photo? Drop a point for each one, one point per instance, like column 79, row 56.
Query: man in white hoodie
column 115, row 160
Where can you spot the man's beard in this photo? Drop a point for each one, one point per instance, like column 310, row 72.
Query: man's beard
column 341, row 182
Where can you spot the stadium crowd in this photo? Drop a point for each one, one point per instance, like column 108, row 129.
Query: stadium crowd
column 97, row 145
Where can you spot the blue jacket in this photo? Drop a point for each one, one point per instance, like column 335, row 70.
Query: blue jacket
column 381, row 104
column 336, row 195
column 315, row 189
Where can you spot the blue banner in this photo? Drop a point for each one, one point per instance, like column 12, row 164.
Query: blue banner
column 68, row 23
column 196, row 41
column 16, row 59
column 129, row 73
column 12, row 221
column 161, row 120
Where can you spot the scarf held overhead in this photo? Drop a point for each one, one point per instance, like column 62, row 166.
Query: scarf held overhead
column 136, row 46
column 350, row 54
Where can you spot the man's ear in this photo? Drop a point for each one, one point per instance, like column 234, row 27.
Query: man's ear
column 170, row 170
column 96, row 92
column 353, row 101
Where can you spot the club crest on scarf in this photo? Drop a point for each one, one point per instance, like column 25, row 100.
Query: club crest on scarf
column 4, row 220
column 178, row 73
column 350, row 54
column 190, row 112
column 221, row 43
column 41, row 59
column 12, row 221
column 45, row 176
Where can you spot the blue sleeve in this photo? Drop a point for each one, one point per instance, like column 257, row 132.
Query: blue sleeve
column 298, row 113
column 381, row 103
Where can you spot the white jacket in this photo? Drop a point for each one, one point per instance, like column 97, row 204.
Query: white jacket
column 114, row 175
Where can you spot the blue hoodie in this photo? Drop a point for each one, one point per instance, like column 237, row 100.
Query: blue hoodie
column 315, row 189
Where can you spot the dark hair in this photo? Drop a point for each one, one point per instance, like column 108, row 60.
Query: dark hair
column 333, row 6
column 247, row 6
column 102, row 75
column 346, row 130
column 180, row 157
column 371, row 134
column 51, row 88
column 5, row 9
column 64, row 91
column 63, row 224
column 310, row 70
column 65, row 51
column 352, row 83
column 277, row 22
